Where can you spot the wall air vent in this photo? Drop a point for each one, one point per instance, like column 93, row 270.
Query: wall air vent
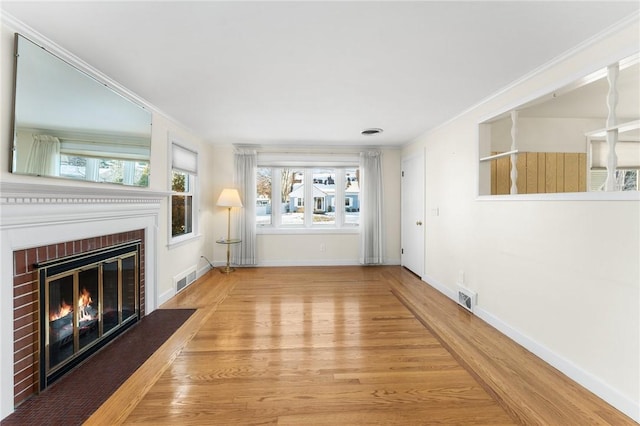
column 181, row 283
column 185, row 278
column 466, row 298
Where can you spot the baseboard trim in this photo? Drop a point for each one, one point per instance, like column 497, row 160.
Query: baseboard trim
column 449, row 292
column 164, row 297
column 595, row 385
column 323, row 262
column 311, row 262
column 592, row 383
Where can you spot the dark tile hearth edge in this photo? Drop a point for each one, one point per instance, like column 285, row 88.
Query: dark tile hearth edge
column 73, row 398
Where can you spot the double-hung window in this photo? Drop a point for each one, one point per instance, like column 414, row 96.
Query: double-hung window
column 98, row 161
column 184, row 170
column 308, row 196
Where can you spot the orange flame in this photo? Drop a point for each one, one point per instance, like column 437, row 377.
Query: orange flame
column 64, row 310
column 84, row 299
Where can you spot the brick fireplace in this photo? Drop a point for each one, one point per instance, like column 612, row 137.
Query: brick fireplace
column 27, row 306
column 42, row 223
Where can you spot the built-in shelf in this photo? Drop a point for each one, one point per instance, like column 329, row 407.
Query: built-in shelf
column 496, row 156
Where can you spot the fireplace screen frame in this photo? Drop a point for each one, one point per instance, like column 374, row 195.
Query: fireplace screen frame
column 60, row 269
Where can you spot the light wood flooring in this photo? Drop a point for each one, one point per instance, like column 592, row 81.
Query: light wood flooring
column 341, row 346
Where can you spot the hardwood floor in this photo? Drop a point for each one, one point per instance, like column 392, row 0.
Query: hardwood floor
column 341, row 345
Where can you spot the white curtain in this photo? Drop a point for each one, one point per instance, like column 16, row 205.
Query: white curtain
column 245, row 181
column 44, row 158
column 371, row 234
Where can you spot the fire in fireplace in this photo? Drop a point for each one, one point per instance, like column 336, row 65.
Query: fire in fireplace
column 87, row 300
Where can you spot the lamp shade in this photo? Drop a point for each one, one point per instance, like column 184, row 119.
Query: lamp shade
column 229, row 198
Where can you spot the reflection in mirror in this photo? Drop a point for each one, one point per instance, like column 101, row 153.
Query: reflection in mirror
column 560, row 142
column 627, row 151
column 69, row 125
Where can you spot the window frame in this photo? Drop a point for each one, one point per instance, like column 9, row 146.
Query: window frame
column 308, row 227
column 176, row 150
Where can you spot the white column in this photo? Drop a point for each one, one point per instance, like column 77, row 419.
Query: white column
column 612, row 130
column 514, row 157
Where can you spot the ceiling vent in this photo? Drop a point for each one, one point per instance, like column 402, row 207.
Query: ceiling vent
column 371, row 131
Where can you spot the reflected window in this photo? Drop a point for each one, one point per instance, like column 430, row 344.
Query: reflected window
column 106, row 170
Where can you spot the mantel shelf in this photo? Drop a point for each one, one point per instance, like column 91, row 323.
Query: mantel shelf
column 36, row 193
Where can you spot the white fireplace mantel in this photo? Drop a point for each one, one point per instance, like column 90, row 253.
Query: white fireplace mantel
column 28, row 204
column 34, row 214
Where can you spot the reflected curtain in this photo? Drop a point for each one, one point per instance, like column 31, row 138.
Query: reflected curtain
column 44, row 157
column 245, row 181
column 371, row 233
column 92, row 170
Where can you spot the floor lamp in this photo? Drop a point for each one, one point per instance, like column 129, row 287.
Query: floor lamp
column 229, row 198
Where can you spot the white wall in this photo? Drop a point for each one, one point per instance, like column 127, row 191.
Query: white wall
column 300, row 248
column 176, row 259
column 561, row 277
column 544, row 134
column 169, row 261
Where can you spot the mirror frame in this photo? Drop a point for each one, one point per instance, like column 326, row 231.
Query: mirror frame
column 63, row 122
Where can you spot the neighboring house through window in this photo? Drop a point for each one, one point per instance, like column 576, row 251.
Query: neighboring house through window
column 305, row 197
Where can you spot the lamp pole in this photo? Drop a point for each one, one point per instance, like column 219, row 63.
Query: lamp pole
column 229, row 198
column 228, row 268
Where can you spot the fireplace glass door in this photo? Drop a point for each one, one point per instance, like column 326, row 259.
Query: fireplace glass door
column 84, row 305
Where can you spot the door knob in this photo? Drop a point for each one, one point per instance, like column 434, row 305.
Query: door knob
column 419, row 223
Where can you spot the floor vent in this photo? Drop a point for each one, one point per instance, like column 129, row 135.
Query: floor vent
column 466, row 298
column 184, row 279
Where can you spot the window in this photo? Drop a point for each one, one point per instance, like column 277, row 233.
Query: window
column 352, row 196
column 324, row 194
column 183, row 195
column 263, row 196
column 291, row 196
column 305, row 197
column 127, row 172
column 181, row 204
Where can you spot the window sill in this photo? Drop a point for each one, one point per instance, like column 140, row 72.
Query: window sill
column 269, row 230
column 566, row 196
column 182, row 240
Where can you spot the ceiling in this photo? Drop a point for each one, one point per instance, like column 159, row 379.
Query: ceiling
column 316, row 73
column 590, row 100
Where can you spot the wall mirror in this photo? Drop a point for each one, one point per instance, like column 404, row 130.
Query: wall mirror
column 69, row 125
column 580, row 138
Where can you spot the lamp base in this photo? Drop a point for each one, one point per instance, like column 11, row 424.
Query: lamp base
column 227, row 269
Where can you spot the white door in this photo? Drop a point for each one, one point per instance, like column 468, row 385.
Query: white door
column 412, row 214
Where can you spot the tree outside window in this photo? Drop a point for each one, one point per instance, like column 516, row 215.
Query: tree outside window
column 263, row 196
column 307, row 197
column 181, row 204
